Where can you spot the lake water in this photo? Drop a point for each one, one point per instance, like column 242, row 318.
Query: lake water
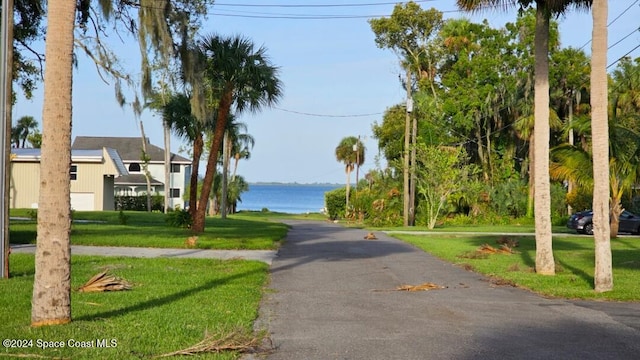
column 287, row 198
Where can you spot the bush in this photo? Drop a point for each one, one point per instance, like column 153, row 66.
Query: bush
column 335, row 202
column 179, row 218
column 33, row 214
column 139, row 203
column 509, row 198
column 123, row 218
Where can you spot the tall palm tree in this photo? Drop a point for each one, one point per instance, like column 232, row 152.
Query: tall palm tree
column 350, row 151
column 575, row 163
column 177, row 115
column 545, row 263
column 238, row 77
column 25, row 126
column 236, row 137
column 51, row 301
column 603, row 275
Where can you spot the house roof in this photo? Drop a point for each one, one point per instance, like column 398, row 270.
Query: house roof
column 134, row 179
column 106, row 155
column 129, row 148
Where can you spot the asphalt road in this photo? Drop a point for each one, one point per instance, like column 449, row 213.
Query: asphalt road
column 332, row 296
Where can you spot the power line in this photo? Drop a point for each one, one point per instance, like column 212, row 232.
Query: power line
column 327, row 115
column 612, row 21
column 316, row 5
column 623, row 56
column 624, row 38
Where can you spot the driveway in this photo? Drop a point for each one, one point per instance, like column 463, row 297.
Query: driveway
column 332, row 296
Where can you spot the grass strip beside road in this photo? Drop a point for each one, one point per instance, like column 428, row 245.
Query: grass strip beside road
column 574, row 257
column 142, row 229
column 173, row 304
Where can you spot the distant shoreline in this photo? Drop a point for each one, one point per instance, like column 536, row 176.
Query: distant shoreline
column 294, row 184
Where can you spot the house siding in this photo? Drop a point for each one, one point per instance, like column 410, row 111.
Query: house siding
column 94, row 179
column 27, row 175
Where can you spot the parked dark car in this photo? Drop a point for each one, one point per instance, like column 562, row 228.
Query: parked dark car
column 582, row 222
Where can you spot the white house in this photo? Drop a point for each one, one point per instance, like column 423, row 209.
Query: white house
column 134, row 183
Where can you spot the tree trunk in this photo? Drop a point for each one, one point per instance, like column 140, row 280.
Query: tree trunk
column 207, row 183
column 198, row 145
column 224, row 186
column 348, row 185
column 545, row 264
column 603, row 275
column 51, row 301
column 481, row 153
column 532, row 192
column 167, row 168
column 145, row 166
column 405, row 168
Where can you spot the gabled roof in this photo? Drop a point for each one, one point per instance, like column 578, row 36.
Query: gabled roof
column 135, row 179
column 107, row 156
column 129, row 148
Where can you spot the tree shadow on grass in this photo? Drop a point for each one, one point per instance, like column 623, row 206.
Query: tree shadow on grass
column 164, row 299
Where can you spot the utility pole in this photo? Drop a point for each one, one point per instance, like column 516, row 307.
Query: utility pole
column 407, row 208
column 6, row 57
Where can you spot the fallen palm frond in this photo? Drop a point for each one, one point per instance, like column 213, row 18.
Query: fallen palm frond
column 508, row 242
column 488, row 249
column 370, row 236
column 238, row 341
column 422, row 287
column 103, row 282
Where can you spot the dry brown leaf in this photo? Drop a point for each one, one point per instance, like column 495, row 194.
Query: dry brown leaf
column 421, row 287
column 103, row 282
column 234, row 341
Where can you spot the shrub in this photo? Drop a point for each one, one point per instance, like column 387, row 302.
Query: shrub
column 33, row 214
column 123, row 218
column 179, row 218
column 335, row 202
column 139, row 203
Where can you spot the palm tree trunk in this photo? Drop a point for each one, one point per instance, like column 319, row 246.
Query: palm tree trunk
column 348, row 172
column 603, row 275
column 545, row 264
column 167, row 167
column 51, row 301
column 207, row 183
column 145, row 166
column 224, row 185
column 198, row 145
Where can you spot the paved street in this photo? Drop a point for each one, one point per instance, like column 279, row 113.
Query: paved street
column 260, row 255
column 331, row 297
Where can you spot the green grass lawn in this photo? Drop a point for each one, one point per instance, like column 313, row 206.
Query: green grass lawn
column 574, row 256
column 172, row 305
column 144, row 229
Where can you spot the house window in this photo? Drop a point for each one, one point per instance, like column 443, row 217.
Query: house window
column 174, row 193
column 175, row 168
column 134, row 167
column 73, row 172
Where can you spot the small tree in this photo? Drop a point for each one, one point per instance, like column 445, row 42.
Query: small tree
column 440, row 173
column 350, row 151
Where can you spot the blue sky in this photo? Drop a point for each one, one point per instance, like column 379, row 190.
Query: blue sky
column 337, row 83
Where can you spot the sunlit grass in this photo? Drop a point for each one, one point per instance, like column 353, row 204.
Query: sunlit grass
column 173, row 304
column 574, row 256
column 104, row 228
